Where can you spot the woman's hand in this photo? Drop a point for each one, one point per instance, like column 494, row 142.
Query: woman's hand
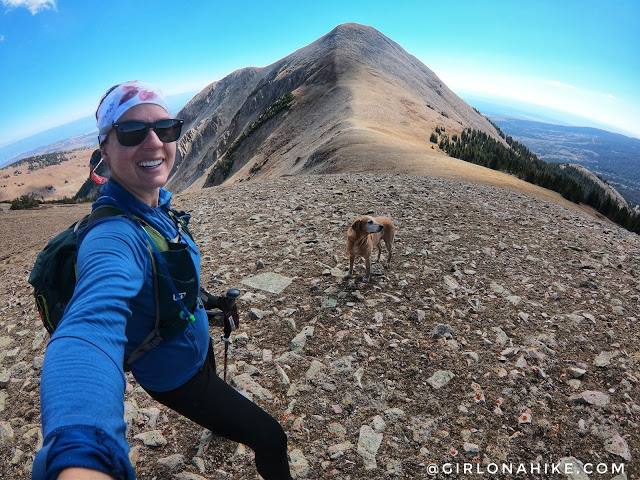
column 77, row 473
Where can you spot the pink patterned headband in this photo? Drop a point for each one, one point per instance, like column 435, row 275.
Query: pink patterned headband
column 122, row 98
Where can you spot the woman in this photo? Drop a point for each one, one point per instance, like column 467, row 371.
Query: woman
column 113, row 310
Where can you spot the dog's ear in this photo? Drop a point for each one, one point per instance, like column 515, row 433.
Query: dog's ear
column 356, row 225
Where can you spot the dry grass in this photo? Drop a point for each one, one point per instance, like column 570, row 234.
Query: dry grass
column 51, row 183
column 370, row 152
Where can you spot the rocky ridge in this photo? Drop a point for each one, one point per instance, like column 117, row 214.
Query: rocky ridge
column 504, row 332
column 610, row 190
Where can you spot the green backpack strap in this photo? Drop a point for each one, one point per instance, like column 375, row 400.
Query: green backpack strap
column 104, row 211
column 157, row 244
column 156, row 237
column 153, row 339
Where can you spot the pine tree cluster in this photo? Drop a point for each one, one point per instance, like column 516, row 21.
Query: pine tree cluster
column 478, row 147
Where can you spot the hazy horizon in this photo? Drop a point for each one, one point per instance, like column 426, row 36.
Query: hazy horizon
column 513, row 108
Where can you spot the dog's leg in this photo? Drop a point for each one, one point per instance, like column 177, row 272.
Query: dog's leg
column 351, row 259
column 389, row 247
column 379, row 251
column 367, row 264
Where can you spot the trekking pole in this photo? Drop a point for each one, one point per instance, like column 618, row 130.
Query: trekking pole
column 228, row 322
column 227, row 341
column 232, row 295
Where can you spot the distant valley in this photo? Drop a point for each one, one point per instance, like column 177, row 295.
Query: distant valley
column 614, row 157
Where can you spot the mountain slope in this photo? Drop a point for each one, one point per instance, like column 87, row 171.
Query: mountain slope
column 359, row 102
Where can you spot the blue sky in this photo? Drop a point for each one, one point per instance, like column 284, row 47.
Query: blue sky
column 57, row 57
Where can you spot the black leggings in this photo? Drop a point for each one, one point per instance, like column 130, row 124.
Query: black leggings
column 210, row 402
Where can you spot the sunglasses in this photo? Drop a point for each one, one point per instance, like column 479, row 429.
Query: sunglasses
column 133, row 132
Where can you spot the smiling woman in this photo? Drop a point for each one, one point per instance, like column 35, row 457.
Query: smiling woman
column 144, row 167
column 137, row 138
column 142, row 311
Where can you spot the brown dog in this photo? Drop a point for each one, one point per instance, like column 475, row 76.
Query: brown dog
column 364, row 234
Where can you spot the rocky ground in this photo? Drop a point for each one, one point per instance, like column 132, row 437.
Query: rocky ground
column 505, row 333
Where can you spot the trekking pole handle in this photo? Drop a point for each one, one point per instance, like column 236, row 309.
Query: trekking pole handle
column 232, row 295
column 230, row 298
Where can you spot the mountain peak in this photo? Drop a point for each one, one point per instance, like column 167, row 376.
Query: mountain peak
column 352, row 100
column 351, row 30
column 363, row 40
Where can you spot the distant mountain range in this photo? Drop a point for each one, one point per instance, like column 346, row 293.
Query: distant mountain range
column 497, row 106
column 80, row 133
column 77, row 134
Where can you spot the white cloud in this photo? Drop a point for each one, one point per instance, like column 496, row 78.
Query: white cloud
column 34, row 6
column 608, row 95
column 1, row 38
column 560, row 84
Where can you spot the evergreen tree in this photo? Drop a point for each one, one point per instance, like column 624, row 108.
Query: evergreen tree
column 478, row 147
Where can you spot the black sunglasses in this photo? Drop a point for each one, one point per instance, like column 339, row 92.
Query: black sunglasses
column 133, row 132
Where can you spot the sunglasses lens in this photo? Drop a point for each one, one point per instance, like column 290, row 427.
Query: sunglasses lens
column 168, row 130
column 131, row 134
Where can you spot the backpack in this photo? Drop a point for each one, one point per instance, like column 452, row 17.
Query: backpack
column 175, row 282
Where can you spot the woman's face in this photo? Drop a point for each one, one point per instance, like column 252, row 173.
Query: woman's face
column 141, row 169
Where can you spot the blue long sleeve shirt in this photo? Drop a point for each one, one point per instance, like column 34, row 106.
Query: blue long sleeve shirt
column 111, row 312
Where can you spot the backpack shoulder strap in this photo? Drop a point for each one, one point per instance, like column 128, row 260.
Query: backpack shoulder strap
column 156, row 243
column 100, row 212
column 104, row 211
column 157, row 238
column 154, row 338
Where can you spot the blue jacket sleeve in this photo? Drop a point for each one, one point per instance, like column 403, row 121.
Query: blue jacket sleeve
column 83, row 383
